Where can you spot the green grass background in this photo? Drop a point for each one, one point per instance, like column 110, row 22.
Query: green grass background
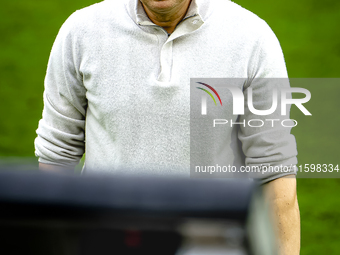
column 309, row 34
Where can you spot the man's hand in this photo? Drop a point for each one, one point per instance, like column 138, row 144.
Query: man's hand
column 281, row 194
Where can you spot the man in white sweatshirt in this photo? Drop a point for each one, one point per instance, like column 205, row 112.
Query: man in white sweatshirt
column 121, row 71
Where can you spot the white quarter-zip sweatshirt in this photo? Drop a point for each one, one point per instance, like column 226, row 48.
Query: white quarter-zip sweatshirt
column 117, row 88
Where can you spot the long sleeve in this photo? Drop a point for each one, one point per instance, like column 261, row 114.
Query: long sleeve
column 271, row 144
column 60, row 139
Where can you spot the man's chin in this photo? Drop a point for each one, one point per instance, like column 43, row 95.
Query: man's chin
column 159, row 5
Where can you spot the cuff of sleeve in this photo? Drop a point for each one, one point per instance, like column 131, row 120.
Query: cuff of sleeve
column 291, row 172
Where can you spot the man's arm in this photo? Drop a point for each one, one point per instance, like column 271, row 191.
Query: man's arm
column 281, row 194
column 61, row 131
column 53, row 168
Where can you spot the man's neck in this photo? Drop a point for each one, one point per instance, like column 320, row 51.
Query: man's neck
column 169, row 16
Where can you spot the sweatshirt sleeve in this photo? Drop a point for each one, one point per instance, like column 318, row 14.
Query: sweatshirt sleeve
column 61, row 138
column 271, row 144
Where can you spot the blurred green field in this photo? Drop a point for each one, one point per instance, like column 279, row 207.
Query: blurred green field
column 309, row 35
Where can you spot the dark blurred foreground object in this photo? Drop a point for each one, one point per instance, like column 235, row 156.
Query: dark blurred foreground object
column 44, row 213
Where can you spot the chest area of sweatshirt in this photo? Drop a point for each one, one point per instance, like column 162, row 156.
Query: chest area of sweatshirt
column 152, row 55
column 149, row 75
